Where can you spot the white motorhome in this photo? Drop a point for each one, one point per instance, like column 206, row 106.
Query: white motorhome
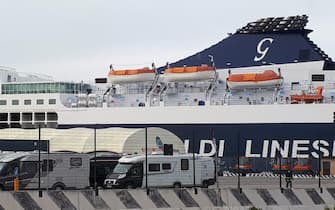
column 163, row 171
column 58, row 170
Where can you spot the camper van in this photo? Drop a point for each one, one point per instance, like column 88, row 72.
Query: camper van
column 9, row 164
column 163, row 171
column 58, row 170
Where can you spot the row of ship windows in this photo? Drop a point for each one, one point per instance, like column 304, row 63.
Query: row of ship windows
column 51, row 87
column 27, row 102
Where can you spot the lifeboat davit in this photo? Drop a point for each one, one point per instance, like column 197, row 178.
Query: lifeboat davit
column 266, row 79
column 308, row 98
column 131, row 75
column 189, row 73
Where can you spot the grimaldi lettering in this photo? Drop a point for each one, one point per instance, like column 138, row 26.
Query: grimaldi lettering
column 296, row 148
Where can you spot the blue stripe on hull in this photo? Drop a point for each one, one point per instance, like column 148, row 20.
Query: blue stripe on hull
column 236, row 135
column 235, row 138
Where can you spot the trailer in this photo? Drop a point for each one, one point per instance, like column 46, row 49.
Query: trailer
column 179, row 170
column 58, row 170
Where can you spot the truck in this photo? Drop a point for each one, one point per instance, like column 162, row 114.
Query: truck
column 58, row 170
column 178, row 170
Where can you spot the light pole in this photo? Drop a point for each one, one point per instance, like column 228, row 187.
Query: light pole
column 95, row 162
column 39, row 161
column 321, row 190
column 238, row 163
column 193, row 148
column 146, row 160
column 280, row 171
column 216, row 167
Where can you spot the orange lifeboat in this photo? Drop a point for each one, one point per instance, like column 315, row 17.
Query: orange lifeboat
column 308, row 98
column 131, row 75
column 265, row 79
column 190, row 73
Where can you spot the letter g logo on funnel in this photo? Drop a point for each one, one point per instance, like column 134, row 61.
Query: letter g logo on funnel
column 261, row 51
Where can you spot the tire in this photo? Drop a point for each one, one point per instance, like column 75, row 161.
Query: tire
column 129, row 186
column 58, row 186
column 177, row 186
column 205, row 184
column 2, row 188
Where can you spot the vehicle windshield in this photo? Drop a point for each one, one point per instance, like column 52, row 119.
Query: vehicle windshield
column 2, row 165
column 122, row 168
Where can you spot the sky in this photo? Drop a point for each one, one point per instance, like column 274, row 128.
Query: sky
column 74, row 40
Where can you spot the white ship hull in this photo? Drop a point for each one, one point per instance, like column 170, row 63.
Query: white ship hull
column 298, row 113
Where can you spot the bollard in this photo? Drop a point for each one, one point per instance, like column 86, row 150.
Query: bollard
column 16, row 184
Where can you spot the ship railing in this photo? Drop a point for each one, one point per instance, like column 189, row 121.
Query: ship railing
column 170, row 95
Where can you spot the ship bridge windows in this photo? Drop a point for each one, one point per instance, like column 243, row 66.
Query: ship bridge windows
column 3, row 102
column 45, row 87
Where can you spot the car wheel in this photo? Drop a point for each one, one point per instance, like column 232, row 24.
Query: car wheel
column 177, row 186
column 205, row 184
column 129, row 186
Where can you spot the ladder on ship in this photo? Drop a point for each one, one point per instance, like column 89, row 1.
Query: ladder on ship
column 211, row 87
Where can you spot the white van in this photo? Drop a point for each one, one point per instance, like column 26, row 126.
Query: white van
column 163, row 171
column 58, row 170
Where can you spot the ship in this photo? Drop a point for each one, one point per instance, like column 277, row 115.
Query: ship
column 262, row 92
